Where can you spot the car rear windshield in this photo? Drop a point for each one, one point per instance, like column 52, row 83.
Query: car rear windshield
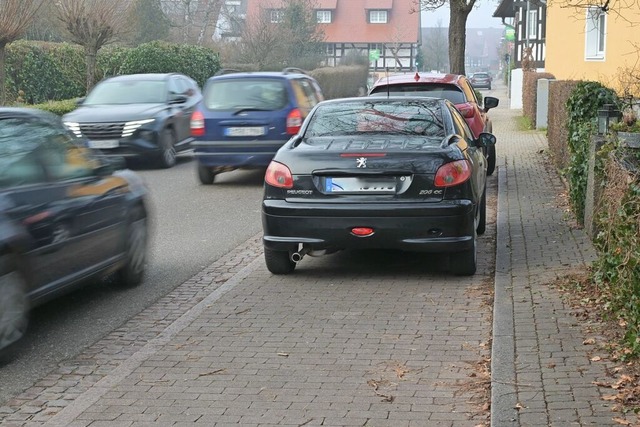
column 445, row 91
column 127, row 92
column 413, row 118
column 237, row 94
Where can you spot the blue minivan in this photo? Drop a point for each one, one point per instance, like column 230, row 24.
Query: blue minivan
column 245, row 117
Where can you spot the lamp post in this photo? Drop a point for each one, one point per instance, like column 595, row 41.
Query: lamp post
column 607, row 115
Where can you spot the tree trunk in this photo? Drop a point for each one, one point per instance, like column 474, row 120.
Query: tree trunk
column 91, row 54
column 3, row 75
column 458, row 35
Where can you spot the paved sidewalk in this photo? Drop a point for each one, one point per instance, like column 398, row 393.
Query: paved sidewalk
column 541, row 373
column 355, row 339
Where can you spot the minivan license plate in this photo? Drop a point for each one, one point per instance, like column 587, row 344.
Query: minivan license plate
column 245, row 131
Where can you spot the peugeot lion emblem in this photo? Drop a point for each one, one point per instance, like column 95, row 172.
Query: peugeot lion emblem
column 361, row 162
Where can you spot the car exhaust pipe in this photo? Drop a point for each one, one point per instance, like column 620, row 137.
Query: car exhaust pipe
column 297, row 256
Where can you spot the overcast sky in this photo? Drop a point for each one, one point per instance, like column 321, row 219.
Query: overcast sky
column 480, row 16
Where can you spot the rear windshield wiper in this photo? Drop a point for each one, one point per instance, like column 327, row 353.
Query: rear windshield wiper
column 243, row 109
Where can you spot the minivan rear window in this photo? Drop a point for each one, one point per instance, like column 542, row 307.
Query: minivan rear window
column 259, row 94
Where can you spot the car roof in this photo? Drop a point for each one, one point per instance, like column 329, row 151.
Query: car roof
column 376, row 99
column 14, row 112
column 141, row 76
column 286, row 73
column 417, row 78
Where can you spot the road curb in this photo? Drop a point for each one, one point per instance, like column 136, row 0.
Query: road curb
column 503, row 375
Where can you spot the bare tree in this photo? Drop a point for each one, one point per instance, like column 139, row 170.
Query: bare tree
column 194, row 20
column 15, row 17
column 435, row 48
column 291, row 38
column 93, row 24
column 459, row 12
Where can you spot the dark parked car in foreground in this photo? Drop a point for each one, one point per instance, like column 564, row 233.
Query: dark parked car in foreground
column 66, row 216
column 246, row 116
column 454, row 87
column 138, row 115
column 377, row 172
column 481, row 80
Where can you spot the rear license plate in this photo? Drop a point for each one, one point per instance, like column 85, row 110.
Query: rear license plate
column 360, row 185
column 245, row 131
column 107, row 143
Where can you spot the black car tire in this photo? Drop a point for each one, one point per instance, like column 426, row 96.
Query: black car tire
column 206, row 175
column 278, row 262
column 167, row 149
column 482, row 214
column 464, row 263
column 14, row 304
column 491, row 159
column 132, row 273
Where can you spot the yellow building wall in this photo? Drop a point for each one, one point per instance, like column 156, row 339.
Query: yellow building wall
column 565, row 48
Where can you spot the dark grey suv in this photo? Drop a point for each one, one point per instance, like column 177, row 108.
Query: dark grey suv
column 138, row 115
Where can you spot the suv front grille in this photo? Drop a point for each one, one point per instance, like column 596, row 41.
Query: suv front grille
column 102, row 130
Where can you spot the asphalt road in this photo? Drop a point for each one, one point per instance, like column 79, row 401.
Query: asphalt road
column 192, row 226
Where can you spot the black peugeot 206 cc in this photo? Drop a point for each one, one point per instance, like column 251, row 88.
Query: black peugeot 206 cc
column 384, row 173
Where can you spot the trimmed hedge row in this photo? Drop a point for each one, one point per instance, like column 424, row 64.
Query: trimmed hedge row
column 341, row 82
column 530, row 93
column 39, row 71
column 557, row 133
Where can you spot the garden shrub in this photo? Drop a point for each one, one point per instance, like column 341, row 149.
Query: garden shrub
column 342, row 81
column 557, row 134
column 617, row 270
column 197, row 62
column 582, row 110
column 530, row 94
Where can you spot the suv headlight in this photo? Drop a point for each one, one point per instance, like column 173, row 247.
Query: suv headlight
column 131, row 127
column 74, row 127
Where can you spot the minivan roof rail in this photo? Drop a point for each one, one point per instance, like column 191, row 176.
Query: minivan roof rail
column 294, row 70
column 226, row 71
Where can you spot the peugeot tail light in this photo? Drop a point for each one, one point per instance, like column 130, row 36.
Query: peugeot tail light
column 278, row 175
column 451, row 174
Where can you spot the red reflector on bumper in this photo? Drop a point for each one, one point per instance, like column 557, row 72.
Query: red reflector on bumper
column 362, row 231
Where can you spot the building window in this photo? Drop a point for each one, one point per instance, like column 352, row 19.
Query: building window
column 323, row 16
column 276, row 16
column 378, row 16
column 595, row 33
column 331, row 49
column 532, row 25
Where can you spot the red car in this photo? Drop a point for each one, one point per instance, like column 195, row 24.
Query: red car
column 454, row 87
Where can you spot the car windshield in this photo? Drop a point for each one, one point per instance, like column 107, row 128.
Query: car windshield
column 414, row 118
column 246, row 94
column 480, row 76
column 128, row 92
column 435, row 90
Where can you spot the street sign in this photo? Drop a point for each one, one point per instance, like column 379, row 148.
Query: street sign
column 374, row 54
column 510, row 34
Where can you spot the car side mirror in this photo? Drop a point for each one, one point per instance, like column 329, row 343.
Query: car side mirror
column 485, row 139
column 178, row 99
column 490, row 102
column 80, row 101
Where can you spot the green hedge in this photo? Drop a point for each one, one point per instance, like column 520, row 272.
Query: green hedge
column 37, row 72
column 582, row 108
column 341, row 82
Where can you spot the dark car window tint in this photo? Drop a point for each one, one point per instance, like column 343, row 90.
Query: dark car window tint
column 383, row 117
column 450, row 92
column 22, row 150
column 128, row 92
column 175, row 86
column 461, row 124
column 261, row 94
